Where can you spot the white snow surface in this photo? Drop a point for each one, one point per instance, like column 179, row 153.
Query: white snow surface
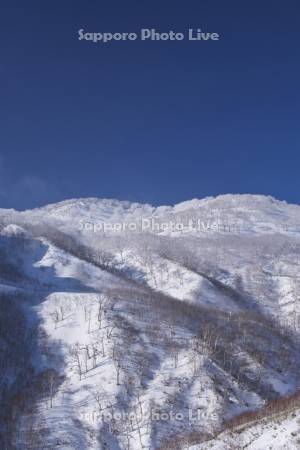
column 170, row 302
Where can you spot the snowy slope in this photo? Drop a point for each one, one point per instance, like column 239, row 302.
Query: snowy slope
column 152, row 338
column 279, row 433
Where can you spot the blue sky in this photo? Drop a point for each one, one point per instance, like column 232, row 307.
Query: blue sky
column 156, row 122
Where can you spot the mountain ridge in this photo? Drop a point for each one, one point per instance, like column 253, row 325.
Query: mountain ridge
column 203, row 324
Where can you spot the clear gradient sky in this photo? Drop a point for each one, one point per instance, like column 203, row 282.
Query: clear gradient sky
column 157, row 122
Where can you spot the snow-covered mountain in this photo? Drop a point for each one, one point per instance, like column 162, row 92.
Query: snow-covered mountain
column 127, row 326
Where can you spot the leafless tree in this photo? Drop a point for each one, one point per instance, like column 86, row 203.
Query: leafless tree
column 75, row 354
column 55, row 318
column 101, row 309
column 118, row 370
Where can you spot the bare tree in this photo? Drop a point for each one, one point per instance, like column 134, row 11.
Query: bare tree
column 101, row 309
column 75, row 355
column 109, row 332
column 62, row 312
column 95, row 353
column 118, row 370
column 50, row 377
column 55, row 318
